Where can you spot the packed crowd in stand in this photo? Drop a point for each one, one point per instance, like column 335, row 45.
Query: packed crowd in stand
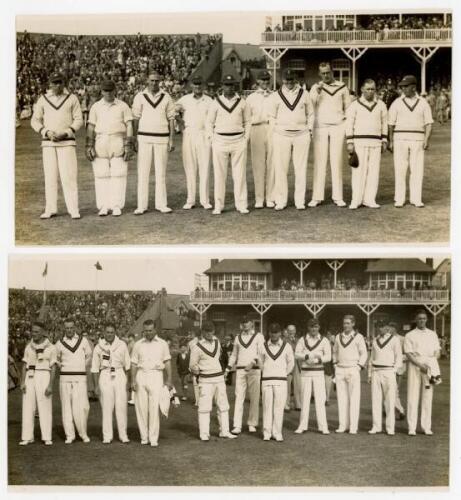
column 89, row 309
column 86, row 60
column 378, row 23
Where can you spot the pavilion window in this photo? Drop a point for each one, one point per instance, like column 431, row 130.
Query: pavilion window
column 308, row 24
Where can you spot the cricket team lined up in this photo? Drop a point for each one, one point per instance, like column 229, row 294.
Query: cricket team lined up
column 262, row 366
column 277, row 128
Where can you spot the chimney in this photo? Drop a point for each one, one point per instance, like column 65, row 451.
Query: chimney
column 430, row 262
column 214, row 262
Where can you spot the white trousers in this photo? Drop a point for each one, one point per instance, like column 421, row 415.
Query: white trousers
column 398, row 402
column 416, row 390
column 328, row 143
column 113, row 396
column 383, row 389
column 146, row 400
column 159, row 152
column 247, row 382
column 110, row 172
column 209, row 392
column 62, row 160
column 274, row 398
column 285, row 148
column 313, row 384
column 34, row 399
column 196, row 153
column 294, row 386
column 408, row 154
column 234, row 150
column 365, row 178
column 75, row 406
column 348, row 394
column 262, row 163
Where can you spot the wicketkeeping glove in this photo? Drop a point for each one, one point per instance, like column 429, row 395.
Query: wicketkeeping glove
column 89, row 149
column 128, row 148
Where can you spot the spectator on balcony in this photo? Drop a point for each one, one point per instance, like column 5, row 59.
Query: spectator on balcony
column 441, row 106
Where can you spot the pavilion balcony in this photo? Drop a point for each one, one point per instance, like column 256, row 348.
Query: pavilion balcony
column 359, row 37
column 321, row 296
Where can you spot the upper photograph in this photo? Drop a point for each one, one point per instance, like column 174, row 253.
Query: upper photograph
column 224, row 128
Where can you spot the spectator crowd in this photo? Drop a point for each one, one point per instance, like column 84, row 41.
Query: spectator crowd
column 86, row 60
column 90, row 311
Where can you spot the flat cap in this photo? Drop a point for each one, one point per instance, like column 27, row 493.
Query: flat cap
column 56, row 78
column 108, row 85
column 289, row 74
column 228, row 79
column 408, row 80
column 264, row 75
column 197, row 80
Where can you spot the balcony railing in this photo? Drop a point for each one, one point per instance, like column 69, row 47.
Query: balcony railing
column 360, row 37
column 322, row 296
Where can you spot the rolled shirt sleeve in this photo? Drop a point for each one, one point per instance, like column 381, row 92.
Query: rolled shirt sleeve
column 137, row 107
column 170, row 109
column 77, row 117
column 96, row 361
column 127, row 115
column 92, row 116
column 36, row 121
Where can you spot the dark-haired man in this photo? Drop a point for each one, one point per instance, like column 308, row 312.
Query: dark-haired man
column 111, row 361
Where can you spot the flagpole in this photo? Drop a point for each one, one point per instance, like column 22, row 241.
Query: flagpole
column 44, row 288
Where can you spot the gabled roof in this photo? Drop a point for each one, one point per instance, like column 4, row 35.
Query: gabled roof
column 240, row 266
column 398, row 265
column 163, row 306
column 245, row 51
column 444, row 266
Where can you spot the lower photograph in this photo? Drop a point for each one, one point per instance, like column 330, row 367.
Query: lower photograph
column 142, row 370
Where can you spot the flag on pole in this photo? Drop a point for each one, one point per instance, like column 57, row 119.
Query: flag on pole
column 45, row 271
column 98, row 266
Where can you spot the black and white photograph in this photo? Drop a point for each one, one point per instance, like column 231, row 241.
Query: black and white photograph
column 284, row 128
column 205, row 371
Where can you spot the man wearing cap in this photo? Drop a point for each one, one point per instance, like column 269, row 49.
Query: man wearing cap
column 211, row 90
column 37, row 379
column 349, row 358
column 248, row 346
column 385, row 360
column 291, row 117
column 150, row 360
column 196, row 147
column 57, row 116
column 390, row 93
column 366, row 135
column 110, row 363
column 276, row 361
column 331, row 99
column 204, row 364
column 294, row 378
column 312, row 352
column 154, row 115
column 228, row 127
column 261, row 142
column 109, row 146
column 410, row 128
column 73, row 354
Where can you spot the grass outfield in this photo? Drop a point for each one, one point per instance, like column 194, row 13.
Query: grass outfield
column 325, row 224
column 181, row 459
